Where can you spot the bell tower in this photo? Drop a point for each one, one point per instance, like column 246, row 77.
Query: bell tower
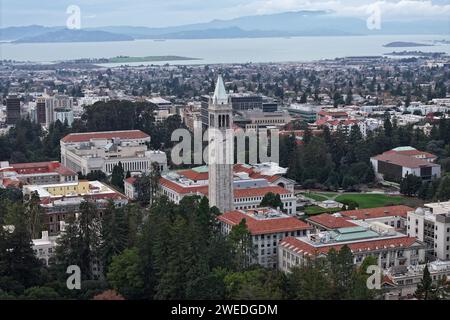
column 220, row 149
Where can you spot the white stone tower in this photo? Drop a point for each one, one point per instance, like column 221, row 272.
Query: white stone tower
column 220, row 149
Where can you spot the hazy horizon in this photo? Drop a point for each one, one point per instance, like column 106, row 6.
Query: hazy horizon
column 158, row 13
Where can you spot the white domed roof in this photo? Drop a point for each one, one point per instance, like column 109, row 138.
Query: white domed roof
column 420, row 211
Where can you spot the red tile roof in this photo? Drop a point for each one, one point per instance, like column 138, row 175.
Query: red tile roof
column 193, row 175
column 261, row 192
column 391, row 211
column 39, row 167
column 264, row 226
column 201, row 176
column 329, row 221
column 413, row 153
column 369, row 245
column 238, row 193
column 181, row 189
column 403, row 160
column 128, row 134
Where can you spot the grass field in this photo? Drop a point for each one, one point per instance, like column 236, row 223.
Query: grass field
column 315, row 196
column 314, row 210
column 372, row 200
column 328, row 194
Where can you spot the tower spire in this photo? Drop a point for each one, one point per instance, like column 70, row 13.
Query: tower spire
column 220, row 94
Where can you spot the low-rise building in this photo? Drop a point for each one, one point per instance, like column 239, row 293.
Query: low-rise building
column 36, row 173
column 394, row 216
column 404, row 280
column 62, row 200
column 45, row 247
column 267, row 227
column 130, row 189
column 395, row 164
column 305, row 112
column 325, row 221
column 375, row 239
column 101, row 151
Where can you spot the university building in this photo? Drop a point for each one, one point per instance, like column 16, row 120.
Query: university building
column 431, row 225
column 267, row 227
column 250, row 185
column 374, row 239
column 101, row 151
column 15, row 174
column 395, row 164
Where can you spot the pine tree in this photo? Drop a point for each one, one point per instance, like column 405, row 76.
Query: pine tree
column 114, row 237
column 242, row 244
column 17, row 259
column 424, row 288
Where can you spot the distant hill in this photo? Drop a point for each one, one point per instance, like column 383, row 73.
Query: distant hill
column 297, row 23
column 67, row 35
column 14, row 33
column 402, row 44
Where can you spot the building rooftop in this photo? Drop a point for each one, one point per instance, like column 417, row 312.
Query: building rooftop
column 329, row 221
column 373, row 213
column 403, row 160
column 84, row 137
column 264, row 221
column 302, row 245
column 36, row 168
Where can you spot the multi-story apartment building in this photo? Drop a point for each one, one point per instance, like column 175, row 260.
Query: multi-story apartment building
column 12, row 109
column 101, row 151
column 375, row 239
column 267, row 227
column 431, row 225
column 35, row 173
column 54, row 105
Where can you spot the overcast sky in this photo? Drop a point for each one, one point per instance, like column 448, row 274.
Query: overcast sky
column 157, row 13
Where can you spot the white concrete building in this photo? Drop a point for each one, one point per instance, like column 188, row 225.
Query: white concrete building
column 130, row 190
column 374, row 239
column 432, row 226
column 267, row 227
column 45, row 247
column 404, row 281
column 54, row 103
column 101, row 151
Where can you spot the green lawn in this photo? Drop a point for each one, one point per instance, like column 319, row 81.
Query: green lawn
column 328, row 194
column 372, row 200
column 314, row 210
column 314, row 196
